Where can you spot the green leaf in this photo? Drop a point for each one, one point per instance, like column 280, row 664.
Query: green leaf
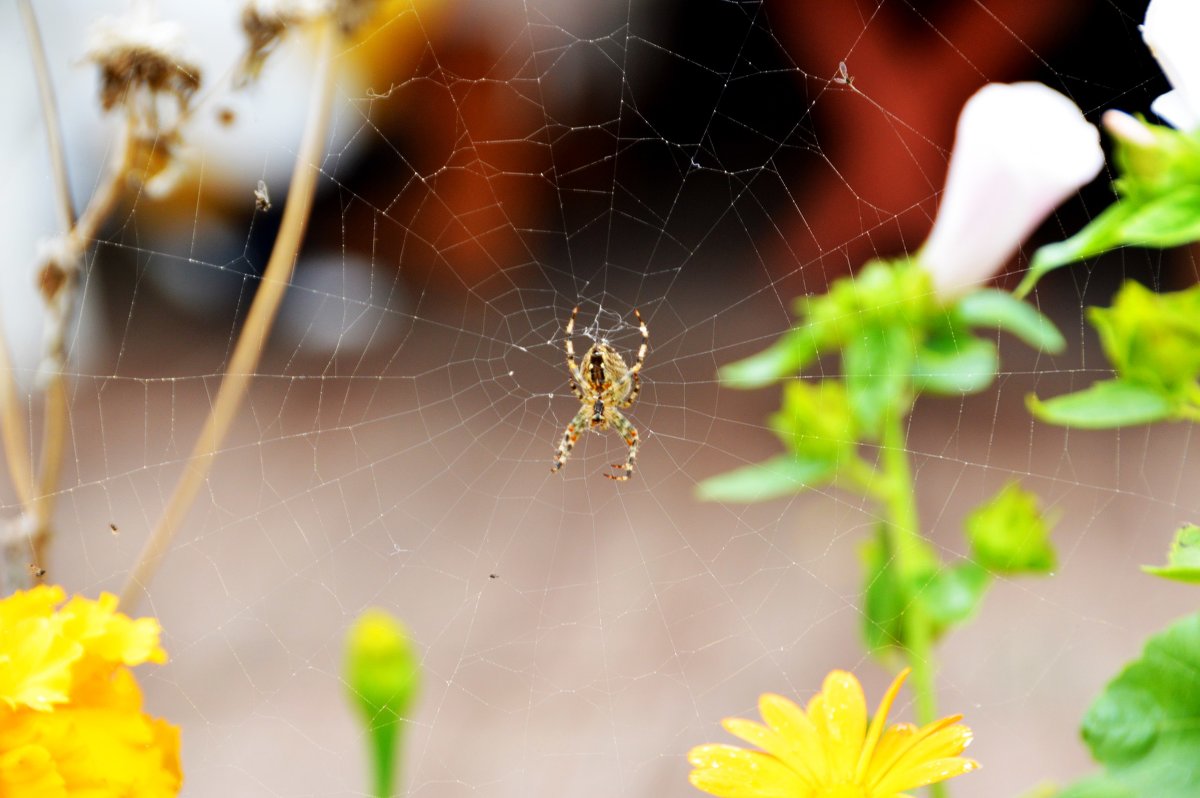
column 1009, row 534
column 877, row 367
column 1145, row 727
column 1101, row 235
column 1160, row 221
column 1183, row 561
column 953, row 595
column 954, row 367
column 884, row 596
column 782, row 359
column 1002, row 311
column 1166, row 221
column 1103, row 405
column 783, row 475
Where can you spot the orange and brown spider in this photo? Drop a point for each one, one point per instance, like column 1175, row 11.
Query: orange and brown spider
column 604, row 387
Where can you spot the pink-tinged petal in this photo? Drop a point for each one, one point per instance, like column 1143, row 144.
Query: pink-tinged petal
column 732, row 772
column 1170, row 30
column 1019, row 150
column 1127, row 128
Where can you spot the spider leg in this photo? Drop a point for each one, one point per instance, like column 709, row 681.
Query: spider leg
column 570, row 435
column 631, row 376
column 641, row 358
column 572, row 366
column 634, row 390
column 630, row 434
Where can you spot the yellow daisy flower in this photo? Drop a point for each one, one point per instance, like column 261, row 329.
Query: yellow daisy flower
column 71, row 720
column 828, row 750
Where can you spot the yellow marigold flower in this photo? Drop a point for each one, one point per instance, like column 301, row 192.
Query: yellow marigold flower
column 71, row 720
column 828, row 750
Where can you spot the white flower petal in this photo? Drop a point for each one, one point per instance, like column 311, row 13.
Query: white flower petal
column 1173, row 109
column 1020, row 149
column 1170, row 31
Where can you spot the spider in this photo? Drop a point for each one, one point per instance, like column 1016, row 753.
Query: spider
column 604, row 385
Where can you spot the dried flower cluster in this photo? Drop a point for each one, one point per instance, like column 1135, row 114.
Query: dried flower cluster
column 267, row 22
column 144, row 72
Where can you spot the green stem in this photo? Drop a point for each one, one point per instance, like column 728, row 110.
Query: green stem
column 913, row 559
column 384, row 743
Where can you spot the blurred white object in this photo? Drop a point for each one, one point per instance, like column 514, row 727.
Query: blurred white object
column 1019, row 150
column 1170, row 31
column 341, row 303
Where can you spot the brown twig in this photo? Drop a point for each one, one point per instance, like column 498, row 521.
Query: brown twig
column 251, row 341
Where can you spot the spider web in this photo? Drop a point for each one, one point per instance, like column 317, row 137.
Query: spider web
column 491, row 166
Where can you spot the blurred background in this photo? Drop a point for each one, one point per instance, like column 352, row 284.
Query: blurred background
column 493, row 163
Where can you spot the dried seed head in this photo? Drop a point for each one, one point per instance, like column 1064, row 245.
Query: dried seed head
column 144, row 72
column 267, row 22
column 140, row 60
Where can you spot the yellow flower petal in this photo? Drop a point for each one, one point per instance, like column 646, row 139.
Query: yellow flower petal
column 35, row 664
column 791, row 723
column 773, row 743
column 937, row 741
column 29, row 772
column 731, row 772
column 71, row 724
column 892, row 744
column 102, row 752
column 110, row 635
column 829, row 751
column 38, row 602
column 926, row 772
column 844, row 709
column 875, row 731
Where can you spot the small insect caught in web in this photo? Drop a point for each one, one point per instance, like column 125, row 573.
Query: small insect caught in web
column 36, row 570
column 113, row 528
column 262, row 198
column 843, row 75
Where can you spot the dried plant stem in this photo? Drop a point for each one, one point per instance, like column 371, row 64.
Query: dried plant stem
column 253, row 337
column 12, row 432
column 37, row 498
column 58, row 161
column 60, row 306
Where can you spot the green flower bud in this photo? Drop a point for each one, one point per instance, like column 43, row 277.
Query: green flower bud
column 1009, row 534
column 382, row 674
column 1152, row 339
column 815, row 420
column 1153, row 160
column 881, row 292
